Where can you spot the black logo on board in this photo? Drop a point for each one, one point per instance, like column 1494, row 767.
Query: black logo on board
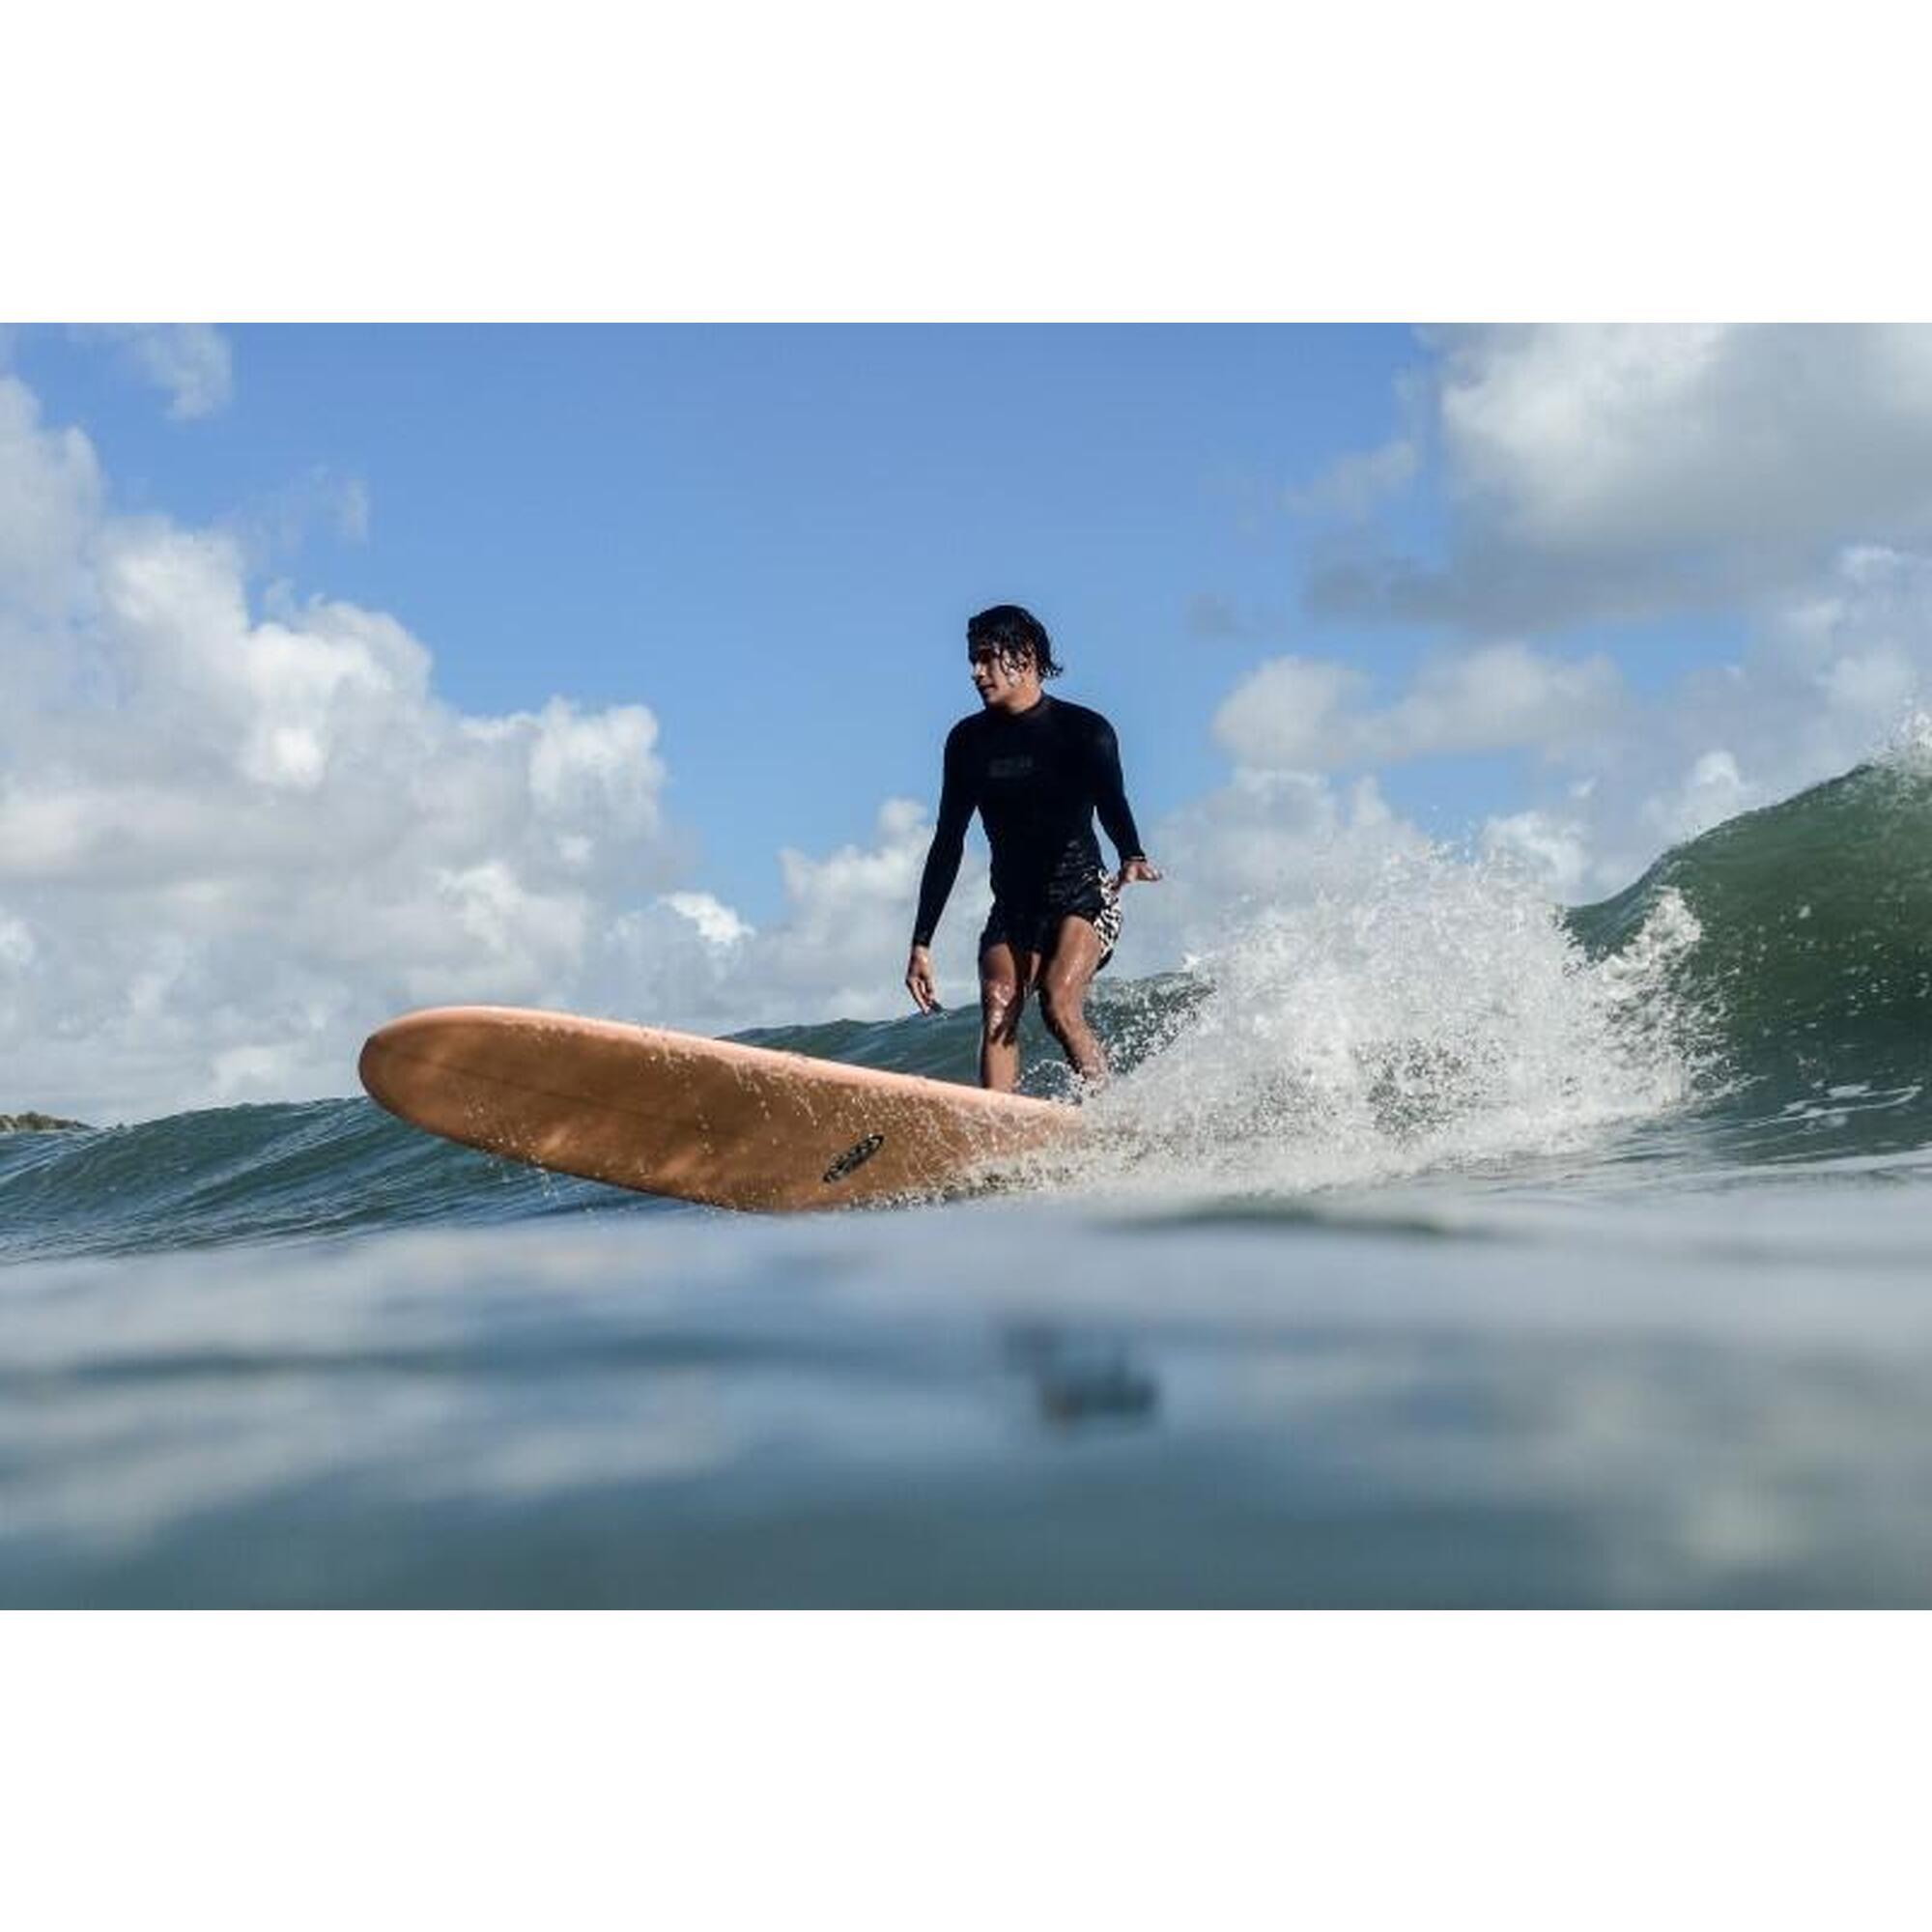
column 854, row 1158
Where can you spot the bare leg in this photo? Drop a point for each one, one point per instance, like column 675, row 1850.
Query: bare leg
column 1004, row 981
column 1063, row 997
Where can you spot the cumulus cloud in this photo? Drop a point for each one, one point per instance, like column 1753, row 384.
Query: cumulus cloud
column 1781, row 475
column 1262, row 840
column 191, row 363
column 715, row 922
column 50, row 497
column 1633, row 440
column 233, row 840
column 1547, row 846
column 1833, row 670
column 1833, row 675
column 1620, row 470
column 1284, row 715
column 850, row 912
column 1299, row 714
column 838, row 952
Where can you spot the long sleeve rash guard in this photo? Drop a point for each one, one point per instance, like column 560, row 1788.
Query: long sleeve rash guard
column 1037, row 781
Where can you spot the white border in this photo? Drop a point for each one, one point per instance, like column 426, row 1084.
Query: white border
column 955, row 1771
column 1031, row 159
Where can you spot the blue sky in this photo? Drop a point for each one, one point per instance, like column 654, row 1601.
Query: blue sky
column 346, row 669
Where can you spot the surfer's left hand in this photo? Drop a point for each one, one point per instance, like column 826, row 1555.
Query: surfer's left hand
column 920, row 981
column 1136, row 871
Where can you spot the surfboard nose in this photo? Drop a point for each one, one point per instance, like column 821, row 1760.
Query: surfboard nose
column 376, row 1063
column 401, row 1058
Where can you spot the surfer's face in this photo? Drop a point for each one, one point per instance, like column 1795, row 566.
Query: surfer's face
column 1003, row 679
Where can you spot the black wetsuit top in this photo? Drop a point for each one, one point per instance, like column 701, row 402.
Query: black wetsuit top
column 1037, row 779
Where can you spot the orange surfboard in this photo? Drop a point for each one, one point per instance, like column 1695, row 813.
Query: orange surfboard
column 702, row 1120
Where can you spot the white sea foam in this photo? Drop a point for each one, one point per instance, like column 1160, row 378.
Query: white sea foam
column 1432, row 1011
column 1908, row 746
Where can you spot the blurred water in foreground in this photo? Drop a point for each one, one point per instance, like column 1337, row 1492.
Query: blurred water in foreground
column 1446, row 1397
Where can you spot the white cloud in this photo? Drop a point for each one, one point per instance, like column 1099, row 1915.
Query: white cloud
column 189, row 362
column 1632, row 441
column 1298, row 714
column 1498, row 697
column 1283, row 717
column 1605, row 471
column 51, row 495
column 1833, row 672
column 838, row 951
column 597, row 767
column 715, row 920
column 849, row 915
column 1832, row 677
column 231, row 841
column 1551, row 850
column 1712, row 790
column 1262, row 841
column 16, row 944
column 1782, row 473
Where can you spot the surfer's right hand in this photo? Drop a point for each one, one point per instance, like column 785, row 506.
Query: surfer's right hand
column 919, row 980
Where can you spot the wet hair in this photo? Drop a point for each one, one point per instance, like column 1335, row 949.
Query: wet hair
column 1016, row 635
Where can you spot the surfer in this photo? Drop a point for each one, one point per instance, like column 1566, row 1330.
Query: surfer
column 1037, row 769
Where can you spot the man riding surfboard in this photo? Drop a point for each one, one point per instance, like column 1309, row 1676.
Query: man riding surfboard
column 1037, row 769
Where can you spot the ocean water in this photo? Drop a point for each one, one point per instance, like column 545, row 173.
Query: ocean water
column 1436, row 1247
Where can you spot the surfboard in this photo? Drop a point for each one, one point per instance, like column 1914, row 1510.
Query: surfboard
column 700, row 1119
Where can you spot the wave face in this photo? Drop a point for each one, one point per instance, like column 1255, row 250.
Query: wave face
column 1812, row 974
column 297, row 1172
column 1762, row 994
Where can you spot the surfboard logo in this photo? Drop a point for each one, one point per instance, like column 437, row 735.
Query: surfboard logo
column 854, row 1158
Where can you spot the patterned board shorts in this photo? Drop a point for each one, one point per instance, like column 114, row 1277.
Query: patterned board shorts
column 1032, row 928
